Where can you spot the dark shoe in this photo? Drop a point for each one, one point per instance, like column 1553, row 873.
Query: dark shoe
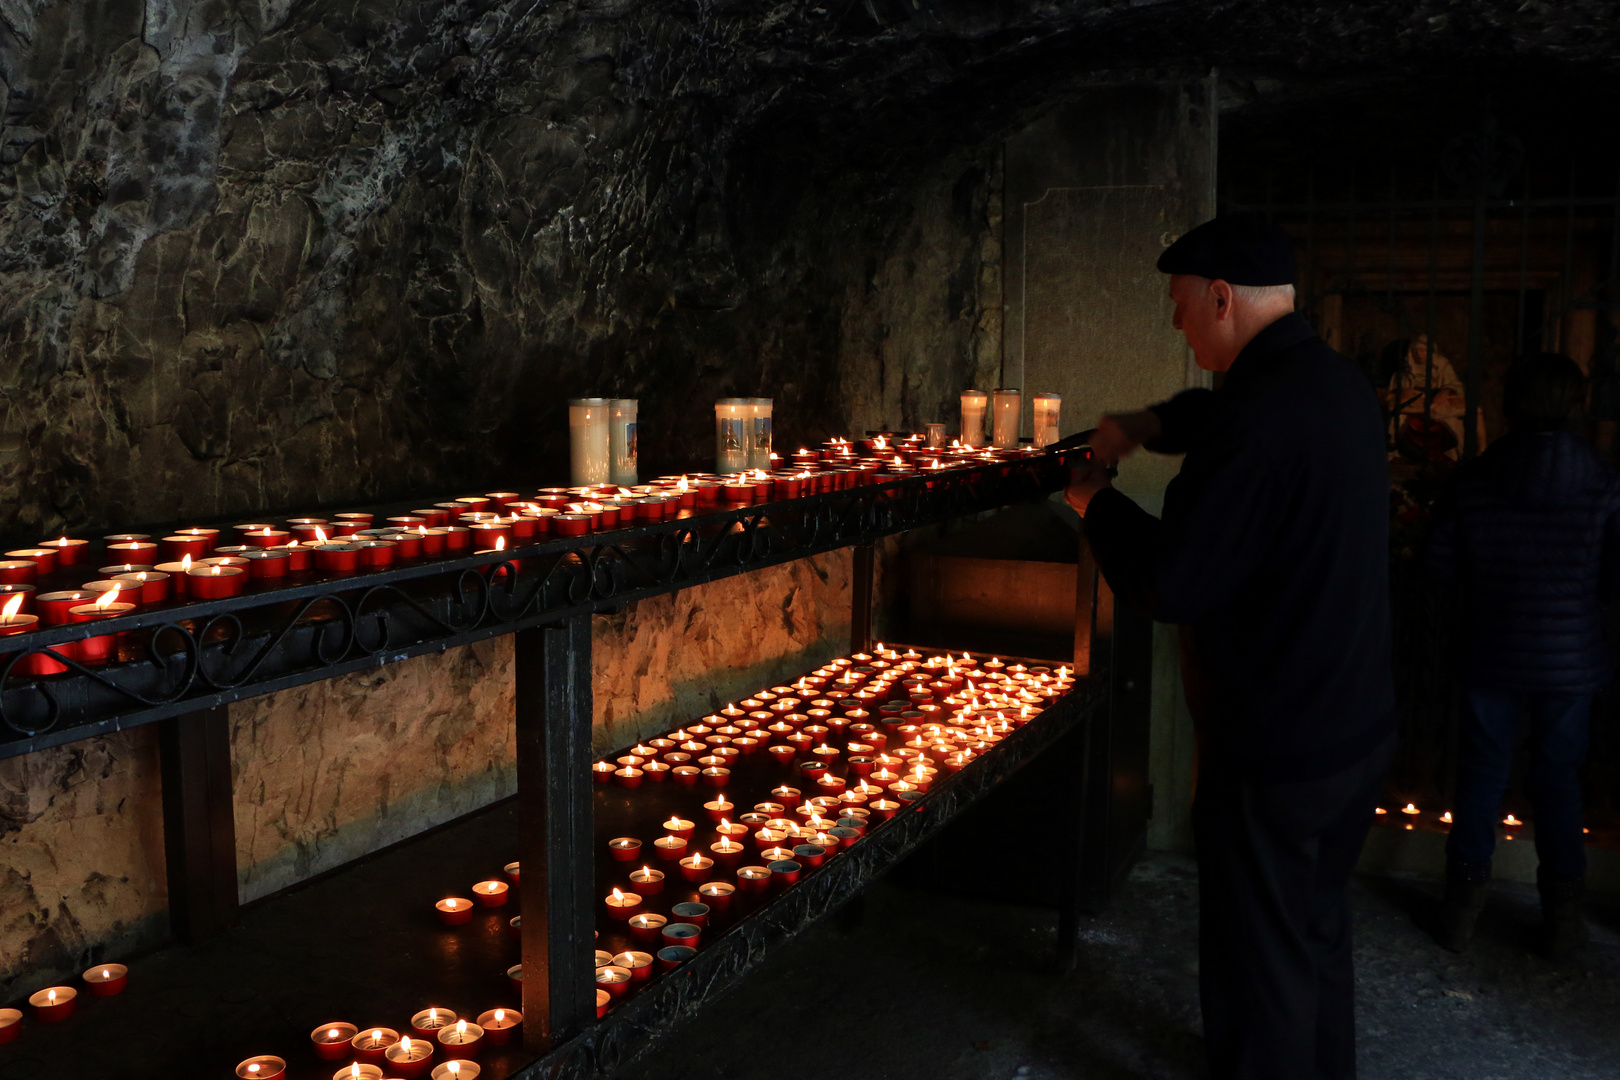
column 1459, row 911
column 1564, row 924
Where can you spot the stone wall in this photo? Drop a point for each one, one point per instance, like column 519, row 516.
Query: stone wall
column 329, row 772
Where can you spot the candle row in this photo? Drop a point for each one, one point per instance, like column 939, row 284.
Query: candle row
column 57, row 1003
column 404, row 1054
column 857, row 739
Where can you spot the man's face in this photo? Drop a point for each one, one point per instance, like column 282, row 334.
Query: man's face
column 1197, row 317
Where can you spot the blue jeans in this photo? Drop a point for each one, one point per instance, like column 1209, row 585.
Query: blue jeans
column 1559, row 733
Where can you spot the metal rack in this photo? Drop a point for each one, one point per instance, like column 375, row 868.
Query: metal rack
column 180, row 665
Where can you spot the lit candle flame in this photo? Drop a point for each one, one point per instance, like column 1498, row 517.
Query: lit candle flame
column 461, row 1027
column 405, row 1044
column 9, row 612
column 1511, row 822
column 451, row 904
column 105, row 974
column 422, row 529
column 106, row 599
column 51, row 997
column 433, row 1014
column 455, row 1068
column 354, row 1070
column 185, row 563
column 500, row 543
column 1446, row 817
column 320, row 535
column 500, row 1014
column 618, row 897
column 253, row 1069
column 683, row 487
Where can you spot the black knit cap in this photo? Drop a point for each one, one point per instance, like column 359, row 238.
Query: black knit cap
column 1241, row 249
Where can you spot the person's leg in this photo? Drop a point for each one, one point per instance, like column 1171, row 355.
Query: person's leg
column 1330, row 925
column 1560, row 735
column 1490, row 719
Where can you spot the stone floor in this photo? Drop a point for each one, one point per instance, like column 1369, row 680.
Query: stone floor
column 935, row 987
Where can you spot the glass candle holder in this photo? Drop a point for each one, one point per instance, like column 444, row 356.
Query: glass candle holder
column 936, row 436
column 1004, row 422
column 622, row 441
column 1047, row 408
column 588, row 440
column 759, row 424
column 974, row 404
column 731, row 435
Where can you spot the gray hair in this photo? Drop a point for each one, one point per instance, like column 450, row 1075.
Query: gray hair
column 1264, row 295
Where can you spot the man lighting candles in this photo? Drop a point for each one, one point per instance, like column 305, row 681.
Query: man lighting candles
column 1272, row 556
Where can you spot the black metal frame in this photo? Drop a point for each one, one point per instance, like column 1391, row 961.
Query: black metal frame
column 323, row 626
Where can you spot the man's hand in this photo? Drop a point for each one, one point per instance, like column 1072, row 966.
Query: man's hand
column 1084, row 483
column 1120, row 433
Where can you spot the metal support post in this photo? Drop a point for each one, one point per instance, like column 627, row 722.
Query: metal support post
column 199, row 824
column 864, row 570
column 553, row 684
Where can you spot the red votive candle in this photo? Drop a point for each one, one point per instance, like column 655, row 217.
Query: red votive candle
column 215, row 582
column 54, row 1003
column 10, row 1024
column 370, row 1045
column 266, row 537
column 647, row 881
column 683, row 933
column 429, row 1022
column 646, row 927
column 26, row 605
column 491, row 893
column 624, row 849
column 331, row 1041
column 262, row 1067
column 68, row 552
column 267, row 563
column 18, row 571
column 186, row 542
column 100, row 649
column 500, row 1025
column 337, row 558
column 409, row 1058
column 44, row 559
column 300, row 557
column 621, row 905
column 376, row 554
column 696, row 868
column 152, row 585
column 407, row 545
column 671, row 957
column 457, row 539
column 670, row 848
column 753, row 878
column 454, row 910
column 461, row 1040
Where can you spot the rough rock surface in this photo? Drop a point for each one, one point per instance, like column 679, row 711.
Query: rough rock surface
column 263, row 253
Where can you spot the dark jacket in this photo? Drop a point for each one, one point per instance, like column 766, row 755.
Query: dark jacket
column 1273, row 549
column 1531, row 531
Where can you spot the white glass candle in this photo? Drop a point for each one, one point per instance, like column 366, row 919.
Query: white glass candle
column 936, row 436
column 1004, row 431
column 759, row 422
column 974, row 404
column 1047, row 407
column 622, row 441
column 731, row 435
column 588, row 440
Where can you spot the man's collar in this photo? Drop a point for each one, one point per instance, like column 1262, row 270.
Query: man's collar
column 1285, row 332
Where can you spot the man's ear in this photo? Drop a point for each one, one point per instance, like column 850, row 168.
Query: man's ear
column 1221, row 290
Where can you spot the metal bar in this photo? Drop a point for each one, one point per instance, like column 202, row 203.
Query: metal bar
column 199, row 824
column 1423, row 205
column 1476, row 333
column 556, row 844
column 1073, row 832
column 862, row 585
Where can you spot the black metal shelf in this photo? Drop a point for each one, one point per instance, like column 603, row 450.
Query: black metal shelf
column 187, row 656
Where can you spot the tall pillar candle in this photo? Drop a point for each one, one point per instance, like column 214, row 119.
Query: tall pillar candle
column 588, row 440
column 731, row 435
column 760, row 410
column 1047, row 408
column 974, row 404
column 622, row 447
column 1007, row 407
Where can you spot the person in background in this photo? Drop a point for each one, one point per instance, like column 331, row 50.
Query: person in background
column 1529, row 533
column 1428, row 408
column 1273, row 556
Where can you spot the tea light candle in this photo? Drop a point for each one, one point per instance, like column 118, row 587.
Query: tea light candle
column 646, row 927
column 679, row 826
column 463, row 1039
column 454, row 910
column 728, row 852
column 491, row 893
column 696, row 867
column 602, row 771
column 331, row 1041
column 457, row 1069
column 681, row 933
column 784, row 872
column 54, row 1003
column 500, row 1025
column 753, row 878
column 10, row 1024
column 647, row 881
column 717, row 894
column 670, row 848
column 215, row 582
column 624, row 849
column 409, row 1058
column 622, row 905
column 720, row 808
column 68, row 552
column 107, row 980
column 359, row 1071
column 639, row 964
column 44, row 560
column 427, row 1023
column 372, row 1044
column 603, row 1000
column 262, row 1067
column 671, row 957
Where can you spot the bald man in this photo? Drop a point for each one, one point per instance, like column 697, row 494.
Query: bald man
column 1272, row 555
